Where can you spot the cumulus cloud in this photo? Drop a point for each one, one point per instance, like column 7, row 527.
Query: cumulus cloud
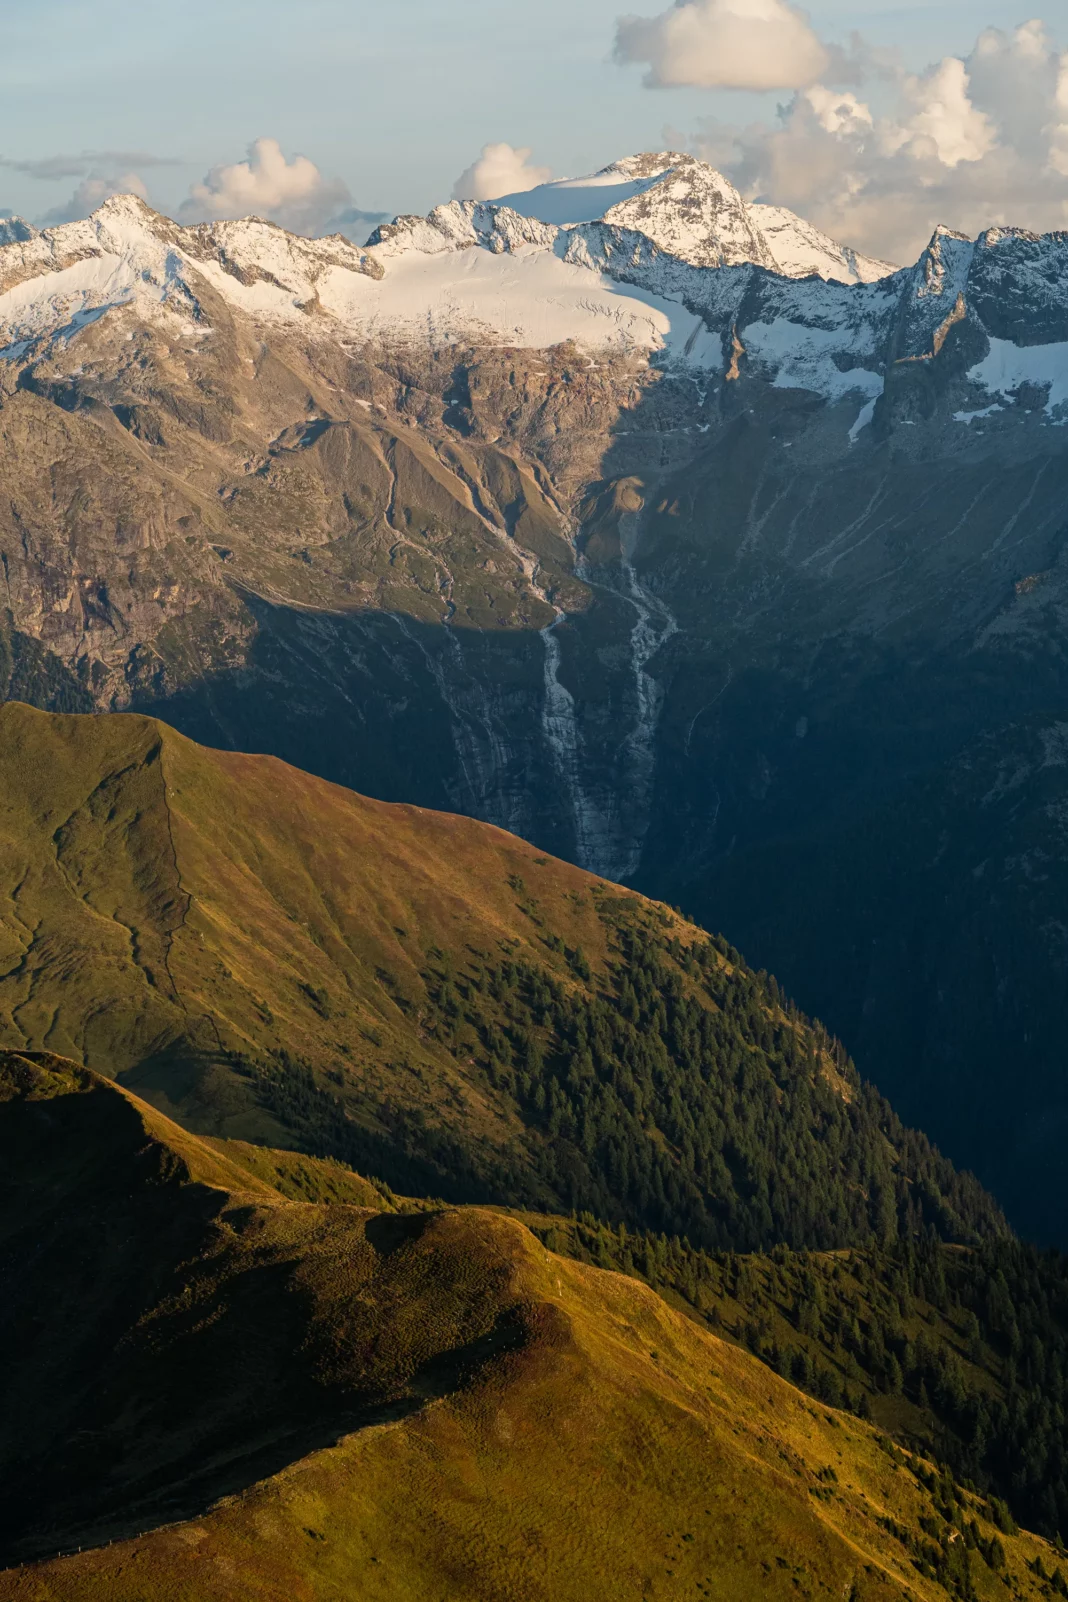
column 500, row 170
column 944, row 117
column 725, row 44
column 1058, row 145
column 91, row 194
column 839, row 112
column 975, row 141
column 293, row 193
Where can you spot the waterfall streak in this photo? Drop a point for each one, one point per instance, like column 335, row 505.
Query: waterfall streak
column 611, row 814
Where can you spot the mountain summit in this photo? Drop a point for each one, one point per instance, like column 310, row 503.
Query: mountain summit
column 693, row 212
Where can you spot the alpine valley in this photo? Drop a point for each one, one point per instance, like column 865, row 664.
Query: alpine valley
column 650, row 525
column 696, row 1315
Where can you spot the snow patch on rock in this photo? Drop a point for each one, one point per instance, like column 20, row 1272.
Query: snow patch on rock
column 1008, row 367
column 15, row 231
column 799, row 249
column 802, row 357
column 864, row 417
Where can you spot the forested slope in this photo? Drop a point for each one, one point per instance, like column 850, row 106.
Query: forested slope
column 268, row 956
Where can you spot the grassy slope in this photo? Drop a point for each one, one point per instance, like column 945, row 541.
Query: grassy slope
column 272, row 958
column 892, row 1335
column 298, row 1177
column 557, row 1431
column 786, row 1304
column 159, row 901
column 175, row 1328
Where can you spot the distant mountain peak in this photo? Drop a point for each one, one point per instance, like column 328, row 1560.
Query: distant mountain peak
column 15, row 231
column 650, row 164
column 691, row 210
column 801, row 249
column 125, row 205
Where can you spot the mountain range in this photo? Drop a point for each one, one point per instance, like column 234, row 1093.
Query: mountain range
column 636, row 519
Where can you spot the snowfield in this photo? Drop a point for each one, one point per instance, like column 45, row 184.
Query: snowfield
column 67, row 297
column 530, row 298
column 576, row 200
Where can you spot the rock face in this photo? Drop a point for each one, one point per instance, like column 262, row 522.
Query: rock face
column 14, row 231
column 743, row 586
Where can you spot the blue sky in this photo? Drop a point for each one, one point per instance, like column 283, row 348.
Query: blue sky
column 395, row 98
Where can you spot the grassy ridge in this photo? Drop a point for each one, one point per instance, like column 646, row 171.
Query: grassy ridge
column 277, row 960
column 166, row 911
column 960, row 1354
column 211, row 1330
column 516, row 1423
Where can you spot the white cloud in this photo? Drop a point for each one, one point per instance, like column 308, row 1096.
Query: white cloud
column 91, row 193
column 944, row 115
column 975, row 141
column 103, row 173
column 500, row 170
column 724, row 44
column 292, row 193
column 1058, row 143
column 839, row 113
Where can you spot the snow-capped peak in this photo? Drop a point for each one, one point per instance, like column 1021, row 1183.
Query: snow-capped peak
column 684, row 206
column 678, row 269
column 644, row 278
column 55, row 283
column 694, row 213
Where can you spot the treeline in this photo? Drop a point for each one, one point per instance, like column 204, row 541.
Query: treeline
column 689, row 1098
column 407, row 1152
column 961, row 1353
column 683, row 1095
column 952, row 1544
